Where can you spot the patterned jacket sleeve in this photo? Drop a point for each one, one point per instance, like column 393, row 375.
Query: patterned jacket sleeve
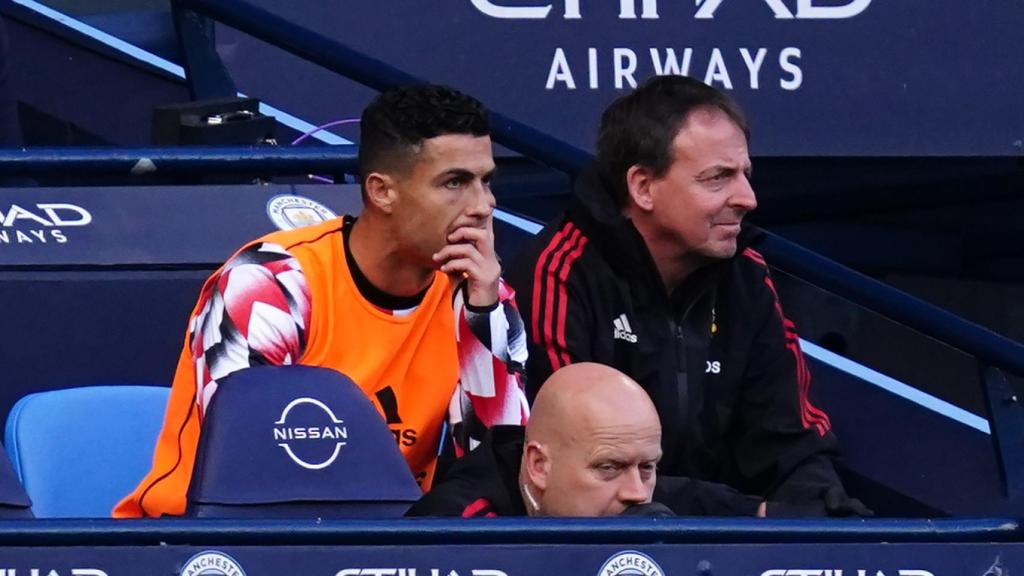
column 253, row 312
column 492, row 359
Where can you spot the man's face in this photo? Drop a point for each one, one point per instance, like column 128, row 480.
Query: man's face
column 699, row 202
column 602, row 468
column 447, row 187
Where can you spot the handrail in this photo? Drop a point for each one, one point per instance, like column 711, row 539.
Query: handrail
column 270, row 160
column 894, row 304
column 538, row 531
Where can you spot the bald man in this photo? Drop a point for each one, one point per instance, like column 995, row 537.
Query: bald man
column 591, row 448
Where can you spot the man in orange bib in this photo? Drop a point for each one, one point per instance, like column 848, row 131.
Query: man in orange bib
column 406, row 300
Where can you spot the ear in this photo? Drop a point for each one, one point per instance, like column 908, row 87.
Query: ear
column 537, row 464
column 639, row 184
column 380, row 191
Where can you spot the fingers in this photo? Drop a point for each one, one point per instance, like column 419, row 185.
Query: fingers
column 482, row 238
column 470, row 256
column 466, row 261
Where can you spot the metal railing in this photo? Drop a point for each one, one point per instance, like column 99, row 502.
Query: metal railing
column 547, row 532
column 160, row 161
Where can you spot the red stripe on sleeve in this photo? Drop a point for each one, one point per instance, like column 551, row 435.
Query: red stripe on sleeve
column 563, row 298
column 551, row 271
column 479, row 507
column 810, row 415
column 538, row 274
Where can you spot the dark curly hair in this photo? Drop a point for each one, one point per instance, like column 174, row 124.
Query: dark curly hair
column 397, row 122
column 638, row 128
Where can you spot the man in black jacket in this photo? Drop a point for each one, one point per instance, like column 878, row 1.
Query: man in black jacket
column 650, row 270
column 590, row 449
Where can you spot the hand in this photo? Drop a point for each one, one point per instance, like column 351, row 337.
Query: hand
column 651, row 509
column 470, row 256
column 835, row 503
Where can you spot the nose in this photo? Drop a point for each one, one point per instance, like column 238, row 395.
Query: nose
column 483, row 201
column 632, row 489
column 743, row 197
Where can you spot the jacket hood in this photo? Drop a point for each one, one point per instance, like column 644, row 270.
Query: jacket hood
column 612, row 233
column 597, row 199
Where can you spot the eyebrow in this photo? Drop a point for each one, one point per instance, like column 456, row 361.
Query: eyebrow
column 464, row 174
column 725, row 169
column 618, row 459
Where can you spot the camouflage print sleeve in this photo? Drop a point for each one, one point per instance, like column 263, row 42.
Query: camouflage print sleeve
column 492, row 356
column 254, row 312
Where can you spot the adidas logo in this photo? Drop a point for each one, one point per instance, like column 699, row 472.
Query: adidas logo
column 623, row 331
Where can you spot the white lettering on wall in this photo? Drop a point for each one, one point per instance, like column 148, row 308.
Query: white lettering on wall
column 717, row 71
column 786, row 58
column 729, row 69
column 807, row 9
column 671, row 66
column 625, row 66
column 560, row 71
column 592, row 67
column 754, row 65
column 517, row 12
column 706, row 10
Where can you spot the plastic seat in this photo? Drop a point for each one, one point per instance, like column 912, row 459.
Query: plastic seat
column 297, row 442
column 78, row 451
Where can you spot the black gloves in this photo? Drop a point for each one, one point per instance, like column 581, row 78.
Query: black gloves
column 835, row 504
column 650, row 509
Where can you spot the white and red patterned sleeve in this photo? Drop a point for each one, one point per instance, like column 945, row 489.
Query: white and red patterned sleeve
column 492, row 357
column 255, row 311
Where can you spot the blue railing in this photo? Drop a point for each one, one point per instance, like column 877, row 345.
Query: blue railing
column 179, row 160
column 980, row 342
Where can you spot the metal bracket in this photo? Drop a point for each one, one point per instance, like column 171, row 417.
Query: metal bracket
column 1006, row 421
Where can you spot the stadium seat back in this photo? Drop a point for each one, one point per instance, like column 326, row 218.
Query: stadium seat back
column 78, row 451
column 297, row 442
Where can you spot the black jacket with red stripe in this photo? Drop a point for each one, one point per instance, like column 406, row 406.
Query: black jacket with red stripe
column 482, row 484
column 718, row 357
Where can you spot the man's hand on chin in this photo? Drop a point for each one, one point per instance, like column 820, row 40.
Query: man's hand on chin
column 469, row 256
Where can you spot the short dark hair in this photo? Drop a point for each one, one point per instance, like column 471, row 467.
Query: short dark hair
column 638, row 128
column 397, row 122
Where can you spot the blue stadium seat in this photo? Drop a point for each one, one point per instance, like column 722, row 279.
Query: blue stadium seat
column 78, row 451
column 297, row 442
column 14, row 503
